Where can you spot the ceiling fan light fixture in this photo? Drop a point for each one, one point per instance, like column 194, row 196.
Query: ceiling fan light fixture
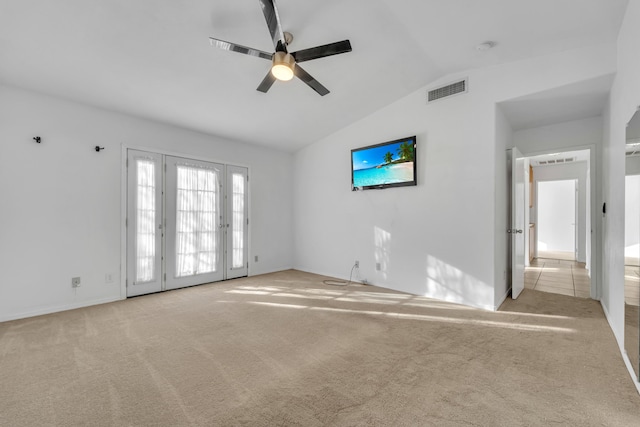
column 283, row 64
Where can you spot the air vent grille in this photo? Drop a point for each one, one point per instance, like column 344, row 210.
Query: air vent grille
column 558, row 161
column 448, row 90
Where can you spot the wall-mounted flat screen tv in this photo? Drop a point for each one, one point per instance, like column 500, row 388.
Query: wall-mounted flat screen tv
column 390, row 164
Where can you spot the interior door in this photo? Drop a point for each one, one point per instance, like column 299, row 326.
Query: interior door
column 194, row 232
column 237, row 222
column 518, row 204
column 144, row 223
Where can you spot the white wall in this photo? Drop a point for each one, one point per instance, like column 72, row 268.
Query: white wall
column 556, row 217
column 572, row 171
column 445, row 237
column 61, row 201
column 566, row 136
column 624, row 99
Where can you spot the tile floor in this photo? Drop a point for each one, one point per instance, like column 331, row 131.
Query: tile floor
column 558, row 276
column 570, row 278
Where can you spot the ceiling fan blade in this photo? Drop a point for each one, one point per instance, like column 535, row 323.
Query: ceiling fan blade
column 273, row 22
column 321, row 51
column 267, row 82
column 240, row 49
column 310, row 81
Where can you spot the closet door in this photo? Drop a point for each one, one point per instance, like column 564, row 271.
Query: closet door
column 144, row 223
column 194, row 222
column 237, row 222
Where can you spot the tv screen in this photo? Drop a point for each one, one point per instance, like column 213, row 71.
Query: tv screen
column 390, row 164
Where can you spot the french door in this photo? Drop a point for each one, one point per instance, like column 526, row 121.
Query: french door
column 144, row 223
column 186, row 222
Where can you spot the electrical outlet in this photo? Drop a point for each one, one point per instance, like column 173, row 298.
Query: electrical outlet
column 256, row 258
column 75, row 282
column 378, row 266
column 357, row 264
column 108, row 278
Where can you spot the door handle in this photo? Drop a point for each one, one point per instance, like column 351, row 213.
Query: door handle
column 518, row 231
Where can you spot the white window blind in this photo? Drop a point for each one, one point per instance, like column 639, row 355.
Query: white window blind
column 196, row 221
column 145, row 221
column 238, row 223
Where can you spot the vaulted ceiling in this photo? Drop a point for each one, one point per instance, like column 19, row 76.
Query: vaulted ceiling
column 152, row 58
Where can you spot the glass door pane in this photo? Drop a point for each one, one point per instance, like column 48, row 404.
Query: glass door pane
column 194, row 222
column 237, row 222
column 144, row 223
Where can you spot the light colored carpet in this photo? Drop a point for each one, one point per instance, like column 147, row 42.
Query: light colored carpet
column 285, row 350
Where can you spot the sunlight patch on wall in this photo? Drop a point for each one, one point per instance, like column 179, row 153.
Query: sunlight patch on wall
column 449, row 283
column 382, row 242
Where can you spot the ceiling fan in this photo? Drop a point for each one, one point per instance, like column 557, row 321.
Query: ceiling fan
column 284, row 64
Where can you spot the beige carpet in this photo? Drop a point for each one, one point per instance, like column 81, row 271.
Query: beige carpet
column 285, row 350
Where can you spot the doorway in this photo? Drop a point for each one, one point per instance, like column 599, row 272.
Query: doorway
column 186, row 222
column 550, row 265
column 556, row 237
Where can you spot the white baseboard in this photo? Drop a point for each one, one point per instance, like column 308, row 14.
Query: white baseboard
column 345, row 278
column 503, row 299
column 64, row 307
column 268, row 271
column 619, row 340
column 625, row 357
column 55, row 309
column 332, row 275
column 627, row 362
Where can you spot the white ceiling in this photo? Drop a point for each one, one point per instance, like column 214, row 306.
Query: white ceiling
column 151, row 58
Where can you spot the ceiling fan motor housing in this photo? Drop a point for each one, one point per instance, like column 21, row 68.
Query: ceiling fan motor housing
column 283, row 64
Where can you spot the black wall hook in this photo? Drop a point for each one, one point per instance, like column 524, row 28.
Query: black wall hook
column 37, row 139
column 98, row 148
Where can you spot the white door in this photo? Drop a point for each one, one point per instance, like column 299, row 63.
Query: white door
column 517, row 229
column 194, row 226
column 144, row 223
column 237, row 222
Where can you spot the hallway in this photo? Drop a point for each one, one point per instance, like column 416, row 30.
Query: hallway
column 558, row 276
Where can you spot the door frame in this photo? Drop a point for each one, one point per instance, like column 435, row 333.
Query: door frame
column 124, row 147
column 595, row 202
